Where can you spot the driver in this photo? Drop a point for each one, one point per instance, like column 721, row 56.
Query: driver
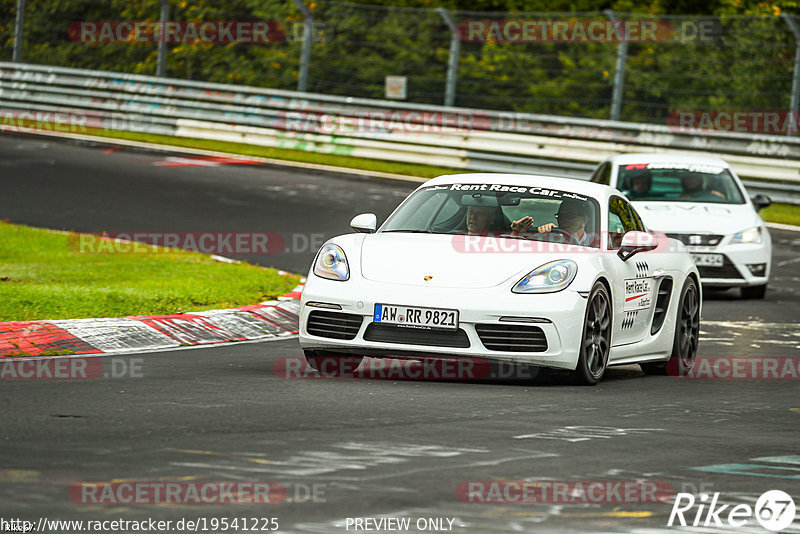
column 694, row 186
column 639, row 184
column 572, row 217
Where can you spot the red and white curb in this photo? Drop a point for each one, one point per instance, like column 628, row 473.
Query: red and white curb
column 268, row 320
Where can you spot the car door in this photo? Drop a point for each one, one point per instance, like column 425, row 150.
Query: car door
column 633, row 283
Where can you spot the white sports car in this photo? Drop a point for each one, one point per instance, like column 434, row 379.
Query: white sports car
column 577, row 284
column 701, row 202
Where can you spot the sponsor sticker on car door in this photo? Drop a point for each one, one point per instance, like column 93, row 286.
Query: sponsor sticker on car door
column 638, row 294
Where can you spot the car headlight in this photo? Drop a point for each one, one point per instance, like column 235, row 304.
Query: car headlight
column 331, row 263
column 548, row 278
column 751, row 235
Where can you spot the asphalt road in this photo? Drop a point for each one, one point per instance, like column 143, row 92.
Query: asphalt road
column 370, row 447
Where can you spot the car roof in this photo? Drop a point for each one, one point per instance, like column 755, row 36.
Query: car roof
column 625, row 159
column 583, row 187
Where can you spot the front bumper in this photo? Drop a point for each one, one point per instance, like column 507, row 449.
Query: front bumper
column 559, row 315
column 736, row 270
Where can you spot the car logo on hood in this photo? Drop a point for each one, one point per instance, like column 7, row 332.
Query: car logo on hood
column 428, row 278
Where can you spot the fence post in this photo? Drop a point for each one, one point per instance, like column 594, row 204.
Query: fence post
column 17, row 54
column 305, row 53
column 619, row 70
column 161, row 69
column 795, row 101
column 452, row 62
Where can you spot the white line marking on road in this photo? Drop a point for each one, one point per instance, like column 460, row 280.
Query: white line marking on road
column 780, row 226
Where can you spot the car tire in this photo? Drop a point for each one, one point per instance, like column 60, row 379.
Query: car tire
column 595, row 338
column 332, row 364
column 754, row 292
column 687, row 334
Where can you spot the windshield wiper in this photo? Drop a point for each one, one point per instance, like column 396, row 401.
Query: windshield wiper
column 409, row 231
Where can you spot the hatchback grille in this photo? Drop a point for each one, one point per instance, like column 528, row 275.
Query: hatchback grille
column 334, row 325
column 512, row 338
column 728, row 270
column 698, row 240
column 416, row 336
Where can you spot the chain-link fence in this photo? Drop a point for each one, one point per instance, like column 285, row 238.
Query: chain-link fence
column 592, row 64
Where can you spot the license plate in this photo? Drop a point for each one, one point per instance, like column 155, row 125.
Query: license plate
column 416, row 317
column 708, row 260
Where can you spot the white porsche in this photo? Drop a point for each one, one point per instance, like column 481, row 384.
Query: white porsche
column 700, row 201
column 549, row 272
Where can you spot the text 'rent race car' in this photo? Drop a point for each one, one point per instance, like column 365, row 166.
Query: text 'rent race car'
column 536, row 270
column 701, row 202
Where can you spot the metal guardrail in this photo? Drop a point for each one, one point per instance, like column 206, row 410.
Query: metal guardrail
column 448, row 137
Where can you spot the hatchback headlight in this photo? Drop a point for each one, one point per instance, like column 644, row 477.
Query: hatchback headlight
column 331, row 263
column 548, row 278
column 751, row 235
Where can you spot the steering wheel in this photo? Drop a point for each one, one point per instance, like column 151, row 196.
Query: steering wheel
column 571, row 239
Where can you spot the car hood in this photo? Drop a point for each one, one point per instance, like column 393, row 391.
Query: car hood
column 685, row 217
column 450, row 260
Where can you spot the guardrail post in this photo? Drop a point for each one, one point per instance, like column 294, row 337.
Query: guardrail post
column 161, row 69
column 305, row 53
column 17, row 55
column 795, row 102
column 619, row 70
column 452, row 62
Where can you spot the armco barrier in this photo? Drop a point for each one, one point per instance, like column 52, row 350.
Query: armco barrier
column 493, row 141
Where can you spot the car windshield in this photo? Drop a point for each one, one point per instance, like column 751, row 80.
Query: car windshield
column 679, row 182
column 489, row 209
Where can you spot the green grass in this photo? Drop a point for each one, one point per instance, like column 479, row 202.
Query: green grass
column 781, row 213
column 43, row 275
column 778, row 213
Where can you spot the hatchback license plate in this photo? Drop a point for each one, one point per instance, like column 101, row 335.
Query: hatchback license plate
column 708, row 260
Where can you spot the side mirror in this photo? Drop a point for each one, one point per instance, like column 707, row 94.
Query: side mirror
column 761, row 201
column 366, row 223
column 635, row 242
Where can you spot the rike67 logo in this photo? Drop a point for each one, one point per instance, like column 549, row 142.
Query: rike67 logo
column 774, row 510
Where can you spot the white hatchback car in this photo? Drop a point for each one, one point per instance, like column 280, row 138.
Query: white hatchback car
column 701, row 202
column 450, row 275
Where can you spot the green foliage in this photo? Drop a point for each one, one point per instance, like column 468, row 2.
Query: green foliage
column 745, row 63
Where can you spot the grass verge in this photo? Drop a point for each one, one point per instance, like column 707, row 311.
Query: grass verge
column 781, row 213
column 43, row 275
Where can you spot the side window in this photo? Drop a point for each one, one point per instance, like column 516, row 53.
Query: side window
column 602, row 175
column 621, row 220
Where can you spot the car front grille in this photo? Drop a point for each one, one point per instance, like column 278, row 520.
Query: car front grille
column 416, row 336
column 728, row 270
column 512, row 337
column 335, row 325
column 698, row 240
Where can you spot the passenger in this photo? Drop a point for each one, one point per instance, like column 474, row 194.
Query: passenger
column 481, row 218
column 572, row 217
